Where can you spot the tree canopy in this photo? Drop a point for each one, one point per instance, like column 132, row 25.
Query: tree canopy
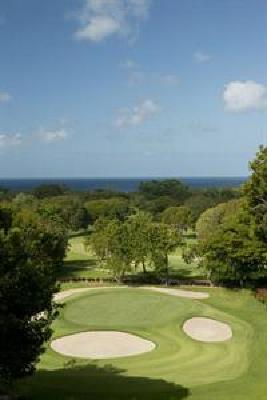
column 31, row 250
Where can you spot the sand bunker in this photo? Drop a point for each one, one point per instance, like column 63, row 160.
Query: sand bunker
column 67, row 293
column 180, row 293
column 101, row 344
column 207, row 330
column 173, row 292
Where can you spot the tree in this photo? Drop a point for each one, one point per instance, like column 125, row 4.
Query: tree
column 138, row 227
column 163, row 240
column 211, row 219
column 108, row 208
column 255, row 192
column 179, row 217
column 30, row 254
column 5, row 218
column 233, row 251
column 172, row 188
column 110, row 242
column 69, row 208
column 49, row 190
column 122, row 245
column 202, row 199
column 197, row 204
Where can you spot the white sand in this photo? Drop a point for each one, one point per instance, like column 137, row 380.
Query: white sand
column 101, row 344
column 207, row 330
column 180, row 293
column 173, row 292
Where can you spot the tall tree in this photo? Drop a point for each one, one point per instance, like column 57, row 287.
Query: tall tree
column 110, row 242
column 255, row 191
column 232, row 252
column 163, row 240
column 139, row 227
column 30, row 254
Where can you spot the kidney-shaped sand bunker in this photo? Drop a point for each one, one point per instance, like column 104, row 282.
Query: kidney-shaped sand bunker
column 207, row 330
column 102, row 344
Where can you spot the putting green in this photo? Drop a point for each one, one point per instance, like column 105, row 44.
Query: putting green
column 177, row 359
column 160, row 318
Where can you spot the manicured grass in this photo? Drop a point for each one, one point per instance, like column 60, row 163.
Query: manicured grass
column 178, row 368
column 80, row 263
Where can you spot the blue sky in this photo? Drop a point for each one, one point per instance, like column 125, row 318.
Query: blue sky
column 93, row 88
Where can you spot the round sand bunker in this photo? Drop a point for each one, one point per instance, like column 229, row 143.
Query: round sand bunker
column 207, row 330
column 101, row 344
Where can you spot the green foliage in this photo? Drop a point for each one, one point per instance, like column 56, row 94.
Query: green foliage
column 233, row 251
column 123, row 245
column 108, row 208
column 203, row 199
column 5, row 218
column 31, row 251
column 139, row 228
column 212, row 218
column 69, row 209
column 172, row 188
column 49, row 190
column 163, row 240
column 255, row 192
column 233, row 236
column 179, row 217
column 228, row 245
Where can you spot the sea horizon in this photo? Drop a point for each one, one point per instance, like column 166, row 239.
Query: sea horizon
column 124, row 184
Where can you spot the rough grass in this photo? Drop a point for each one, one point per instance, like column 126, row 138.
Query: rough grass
column 178, row 368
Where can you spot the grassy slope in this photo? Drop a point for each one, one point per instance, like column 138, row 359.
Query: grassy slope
column 179, row 367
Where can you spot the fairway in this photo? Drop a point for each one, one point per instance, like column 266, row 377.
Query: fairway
column 179, row 367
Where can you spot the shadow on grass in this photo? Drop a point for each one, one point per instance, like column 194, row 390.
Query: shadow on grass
column 80, row 264
column 77, row 268
column 80, row 234
column 93, row 382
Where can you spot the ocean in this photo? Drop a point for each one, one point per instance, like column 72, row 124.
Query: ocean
column 120, row 184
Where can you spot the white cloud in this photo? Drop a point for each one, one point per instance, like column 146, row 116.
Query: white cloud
column 136, row 116
column 101, row 19
column 51, row 136
column 134, row 72
column 201, row 57
column 99, row 28
column 244, row 96
column 5, row 97
column 10, row 139
column 170, row 80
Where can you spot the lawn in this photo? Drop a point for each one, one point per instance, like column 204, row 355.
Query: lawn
column 179, row 367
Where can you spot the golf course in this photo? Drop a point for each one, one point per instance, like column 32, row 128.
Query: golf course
column 176, row 366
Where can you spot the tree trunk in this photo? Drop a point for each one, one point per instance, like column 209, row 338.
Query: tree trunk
column 144, row 266
column 167, row 269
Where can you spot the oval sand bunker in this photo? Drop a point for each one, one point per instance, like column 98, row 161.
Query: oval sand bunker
column 101, row 344
column 207, row 330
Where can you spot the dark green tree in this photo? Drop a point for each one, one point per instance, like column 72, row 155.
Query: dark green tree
column 255, row 191
column 49, row 190
column 163, row 241
column 31, row 251
column 233, row 252
column 172, row 188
